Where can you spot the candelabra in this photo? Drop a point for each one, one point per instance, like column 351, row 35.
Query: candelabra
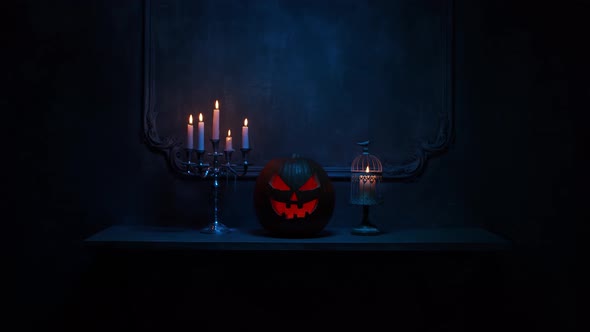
column 215, row 170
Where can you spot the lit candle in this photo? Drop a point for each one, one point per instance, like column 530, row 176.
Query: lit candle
column 228, row 143
column 201, row 132
column 216, row 121
column 245, row 138
column 189, row 132
column 367, row 187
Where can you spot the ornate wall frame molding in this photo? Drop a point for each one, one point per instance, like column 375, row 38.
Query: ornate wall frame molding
column 171, row 147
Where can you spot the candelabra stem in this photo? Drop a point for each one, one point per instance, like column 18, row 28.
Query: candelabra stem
column 216, row 226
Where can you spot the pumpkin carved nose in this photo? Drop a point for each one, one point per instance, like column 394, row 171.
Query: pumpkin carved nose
column 293, row 198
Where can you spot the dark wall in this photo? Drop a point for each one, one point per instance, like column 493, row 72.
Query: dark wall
column 81, row 165
column 312, row 77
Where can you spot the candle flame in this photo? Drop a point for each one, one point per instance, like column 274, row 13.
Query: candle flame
column 200, row 117
column 190, row 119
column 367, row 169
column 229, row 133
column 246, row 122
column 216, row 104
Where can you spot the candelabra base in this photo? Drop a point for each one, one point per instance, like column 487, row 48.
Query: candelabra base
column 215, row 228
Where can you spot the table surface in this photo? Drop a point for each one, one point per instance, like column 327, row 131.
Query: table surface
column 335, row 239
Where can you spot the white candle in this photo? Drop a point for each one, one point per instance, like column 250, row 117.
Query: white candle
column 201, row 132
column 245, row 138
column 215, row 134
column 228, row 143
column 367, row 184
column 189, row 132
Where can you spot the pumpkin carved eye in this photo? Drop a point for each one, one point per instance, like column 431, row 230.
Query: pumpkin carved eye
column 277, row 183
column 310, row 184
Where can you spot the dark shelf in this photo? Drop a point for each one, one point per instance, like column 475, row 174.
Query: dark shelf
column 425, row 239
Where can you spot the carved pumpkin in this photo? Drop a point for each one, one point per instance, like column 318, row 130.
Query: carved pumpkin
column 293, row 197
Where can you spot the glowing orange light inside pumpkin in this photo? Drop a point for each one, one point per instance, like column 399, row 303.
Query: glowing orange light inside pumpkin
column 277, row 183
column 310, row 184
column 291, row 211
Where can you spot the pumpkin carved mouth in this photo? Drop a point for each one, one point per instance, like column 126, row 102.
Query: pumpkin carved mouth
column 291, row 211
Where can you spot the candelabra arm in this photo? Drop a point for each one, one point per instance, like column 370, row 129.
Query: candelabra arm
column 232, row 170
column 190, row 165
column 245, row 162
column 200, row 165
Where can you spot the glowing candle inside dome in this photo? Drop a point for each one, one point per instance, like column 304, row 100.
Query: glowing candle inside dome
column 367, row 183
